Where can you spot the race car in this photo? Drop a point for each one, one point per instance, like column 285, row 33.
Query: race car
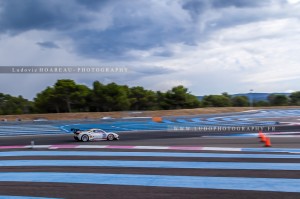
column 94, row 134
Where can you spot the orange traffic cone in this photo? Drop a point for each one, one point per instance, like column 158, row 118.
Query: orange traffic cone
column 157, row 119
column 260, row 134
column 268, row 142
column 263, row 138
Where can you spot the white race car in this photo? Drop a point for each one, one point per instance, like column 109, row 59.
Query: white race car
column 93, row 134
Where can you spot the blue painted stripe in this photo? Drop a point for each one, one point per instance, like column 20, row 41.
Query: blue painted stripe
column 154, row 164
column 228, row 183
column 196, row 119
column 228, row 119
column 119, row 125
column 182, row 121
column 167, row 121
column 214, row 119
column 143, row 154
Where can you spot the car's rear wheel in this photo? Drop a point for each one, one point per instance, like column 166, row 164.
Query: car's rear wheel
column 110, row 137
column 84, row 138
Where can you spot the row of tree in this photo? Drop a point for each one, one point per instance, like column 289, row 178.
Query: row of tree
column 226, row 100
column 15, row 105
column 67, row 96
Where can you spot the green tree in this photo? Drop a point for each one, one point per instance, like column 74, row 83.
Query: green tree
column 278, row 100
column 141, row 99
column 216, row 101
column 96, row 100
column 65, row 91
column 162, row 101
column 80, row 98
column 295, row 98
column 225, row 94
column 14, row 105
column 179, row 97
column 115, row 98
column 240, row 101
column 64, row 96
column 47, row 101
column 261, row 103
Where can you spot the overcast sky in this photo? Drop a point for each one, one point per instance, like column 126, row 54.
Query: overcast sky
column 209, row 46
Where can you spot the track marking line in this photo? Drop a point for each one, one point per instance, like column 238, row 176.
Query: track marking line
column 183, row 148
column 144, row 154
column 202, row 182
column 153, row 164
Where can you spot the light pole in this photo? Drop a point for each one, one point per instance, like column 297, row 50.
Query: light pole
column 251, row 98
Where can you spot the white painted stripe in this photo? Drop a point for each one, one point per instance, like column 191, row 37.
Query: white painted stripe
column 91, row 146
column 283, row 136
column 37, row 146
column 254, row 135
column 151, row 147
column 281, row 133
column 220, row 149
column 40, row 146
column 195, row 148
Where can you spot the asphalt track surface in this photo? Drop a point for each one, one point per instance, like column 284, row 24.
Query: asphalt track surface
column 152, row 173
column 91, row 190
column 157, row 139
column 262, row 118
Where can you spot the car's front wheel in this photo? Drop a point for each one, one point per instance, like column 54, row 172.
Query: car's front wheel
column 110, row 137
column 84, row 138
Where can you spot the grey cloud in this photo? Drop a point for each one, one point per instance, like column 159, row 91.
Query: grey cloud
column 137, row 27
column 18, row 16
column 138, row 34
column 151, row 70
column 195, row 7
column 164, row 53
column 200, row 6
column 240, row 3
column 142, row 26
column 93, row 4
column 134, row 26
column 215, row 15
column 47, row 44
